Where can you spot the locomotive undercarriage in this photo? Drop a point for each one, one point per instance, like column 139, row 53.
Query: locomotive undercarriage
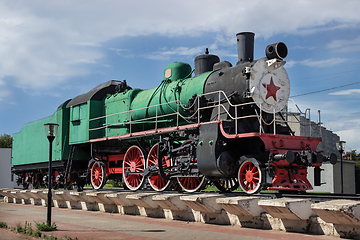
column 37, row 176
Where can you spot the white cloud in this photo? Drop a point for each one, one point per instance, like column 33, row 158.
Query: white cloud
column 335, row 116
column 323, row 63
column 346, row 92
column 345, row 45
column 317, row 63
column 179, row 51
column 4, row 93
column 126, row 53
column 43, row 42
column 351, row 136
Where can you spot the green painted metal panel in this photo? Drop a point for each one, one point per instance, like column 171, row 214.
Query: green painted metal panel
column 96, row 109
column 142, row 104
column 79, row 124
column 31, row 145
column 79, row 121
column 117, row 113
column 177, row 70
column 166, row 93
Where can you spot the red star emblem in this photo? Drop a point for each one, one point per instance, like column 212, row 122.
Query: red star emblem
column 271, row 89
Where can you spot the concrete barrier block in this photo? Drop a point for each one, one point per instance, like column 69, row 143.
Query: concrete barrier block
column 8, row 197
column 18, row 197
column 205, row 208
column 23, row 196
column 241, row 206
column 70, row 201
column 124, row 205
column 11, row 194
column 204, row 203
column 119, row 198
column 105, row 204
column 39, row 194
column 170, row 201
column 34, row 200
column 87, row 204
column 143, row 200
column 57, row 200
column 342, row 212
column 3, row 192
column 145, row 204
column 288, row 208
column 173, row 207
column 288, row 225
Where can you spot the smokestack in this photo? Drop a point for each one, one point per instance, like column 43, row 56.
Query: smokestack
column 245, row 46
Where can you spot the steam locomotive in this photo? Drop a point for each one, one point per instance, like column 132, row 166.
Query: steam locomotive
column 225, row 125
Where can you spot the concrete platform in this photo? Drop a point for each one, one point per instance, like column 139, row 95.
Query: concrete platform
column 336, row 218
column 86, row 225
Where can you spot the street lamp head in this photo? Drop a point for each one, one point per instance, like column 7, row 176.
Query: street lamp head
column 51, row 129
column 340, row 145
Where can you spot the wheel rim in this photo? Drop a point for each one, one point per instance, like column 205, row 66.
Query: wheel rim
column 227, row 185
column 26, row 181
column 249, row 177
column 133, row 162
column 34, row 181
column 156, row 181
column 98, row 175
column 191, row 184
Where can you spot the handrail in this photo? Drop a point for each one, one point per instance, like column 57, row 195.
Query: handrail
column 176, row 115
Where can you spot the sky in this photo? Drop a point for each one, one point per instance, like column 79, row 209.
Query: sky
column 52, row 51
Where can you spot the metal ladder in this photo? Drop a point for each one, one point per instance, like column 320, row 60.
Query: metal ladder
column 69, row 163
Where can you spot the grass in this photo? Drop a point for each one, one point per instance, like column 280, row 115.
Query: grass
column 45, row 227
column 38, row 232
column 3, row 225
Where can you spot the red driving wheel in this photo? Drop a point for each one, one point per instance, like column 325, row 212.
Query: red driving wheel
column 250, row 176
column 156, row 182
column 98, row 175
column 133, row 162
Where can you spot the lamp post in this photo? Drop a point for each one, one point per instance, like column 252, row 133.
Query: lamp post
column 341, row 147
column 50, row 130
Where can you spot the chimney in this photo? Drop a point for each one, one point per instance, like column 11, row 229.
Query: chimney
column 245, row 46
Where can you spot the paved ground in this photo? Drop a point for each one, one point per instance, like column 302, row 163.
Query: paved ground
column 97, row 225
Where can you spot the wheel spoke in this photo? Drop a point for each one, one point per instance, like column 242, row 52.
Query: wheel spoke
column 133, row 162
column 98, row 177
column 250, row 176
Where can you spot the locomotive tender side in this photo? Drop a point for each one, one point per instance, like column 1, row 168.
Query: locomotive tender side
column 226, row 124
